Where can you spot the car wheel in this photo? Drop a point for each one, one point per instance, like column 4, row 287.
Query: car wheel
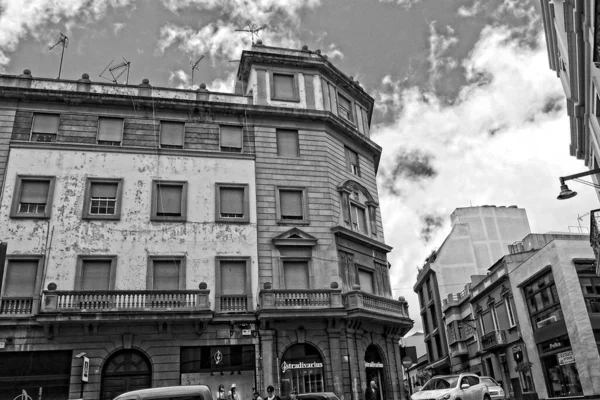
column 486, row 397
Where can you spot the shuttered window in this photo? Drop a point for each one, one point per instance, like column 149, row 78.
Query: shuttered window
column 231, row 138
column 45, row 123
column 110, row 130
column 95, row 274
column 20, row 278
column 165, row 274
column 296, row 274
column 359, row 219
column 233, row 277
column 32, row 197
column 232, row 203
column 287, row 143
column 344, row 108
column 172, row 134
column 284, row 87
column 291, row 204
column 169, row 201
column 365, row 279
column 352, row 161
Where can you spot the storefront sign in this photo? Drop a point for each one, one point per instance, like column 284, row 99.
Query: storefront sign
column 555, row 345
column 218, row 356
column 373, row 364
column 566, row 357
column 301, row 365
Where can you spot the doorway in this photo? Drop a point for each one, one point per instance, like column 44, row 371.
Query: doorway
column 125, row 371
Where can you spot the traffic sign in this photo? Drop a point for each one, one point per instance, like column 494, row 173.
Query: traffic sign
column 407, row 362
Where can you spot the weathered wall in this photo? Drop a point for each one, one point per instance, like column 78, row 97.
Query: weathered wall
column 7, row 118
column 134, row 237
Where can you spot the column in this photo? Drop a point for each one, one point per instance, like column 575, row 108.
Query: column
column 336, row 362
column 268, row 356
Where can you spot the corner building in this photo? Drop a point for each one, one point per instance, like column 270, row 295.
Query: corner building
column 175, row 237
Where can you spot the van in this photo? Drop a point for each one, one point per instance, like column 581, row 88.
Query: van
column 193, row 392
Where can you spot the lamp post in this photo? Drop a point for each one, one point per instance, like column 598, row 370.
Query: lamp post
column 565, row 192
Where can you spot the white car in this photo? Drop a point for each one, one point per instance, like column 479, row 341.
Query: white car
column 496, row 392
column 453, row 387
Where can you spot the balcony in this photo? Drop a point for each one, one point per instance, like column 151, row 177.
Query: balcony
column 493, row 340
column 459, row 349
column 369, row 306
column 595, row 234
column 276, row 303
column 233, row 303
column 16, row 306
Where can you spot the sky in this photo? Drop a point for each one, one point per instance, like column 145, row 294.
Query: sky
column 467, row 111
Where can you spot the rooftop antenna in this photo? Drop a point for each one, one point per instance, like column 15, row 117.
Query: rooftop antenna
column 579, row 219
column 253, row 30
column 195, row 66
column 116, row 71
column 64, row 41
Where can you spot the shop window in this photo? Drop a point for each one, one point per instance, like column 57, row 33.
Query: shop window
column 308, row 379
column 169, row 201
column 95, row 273
column 172, row 134
column 542, row 301
column 233, row 284
column 44, row 127
column 284, row 86
column 166, row 273
column 232, row 203
column 287, row 143
column 231, row 138
column 352, row 161
column 32, row 197
column 562, row 376
column 102, row 198
column 292, row 205
column 110, row 131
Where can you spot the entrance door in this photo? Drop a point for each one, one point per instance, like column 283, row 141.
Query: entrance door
column 125, row 371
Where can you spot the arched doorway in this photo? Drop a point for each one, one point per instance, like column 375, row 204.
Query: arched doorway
column 301, row 370
column 124, row 371
column 374, row 369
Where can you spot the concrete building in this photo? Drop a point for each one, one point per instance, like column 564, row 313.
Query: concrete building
column 162, row 237
column 477, row 239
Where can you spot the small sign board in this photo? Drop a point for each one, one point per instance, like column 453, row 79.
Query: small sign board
column 517, row 353
column 566, row 357
column 85, row 371
column 407, row 362
column 2, row 344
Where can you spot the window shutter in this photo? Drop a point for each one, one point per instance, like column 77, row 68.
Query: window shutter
column 326, row 99
column 231, row 136
column 35, row 192
column 110, row 129
column 233, row 277
column 283, row 86
column 95, row 275
column 168, row 199
column 310, row 90
column 296, row 275
column 291, row 204
column 287, row 143
column 45, row 123
column 20, row 278
column 104, row 189
column 166, row 274
column 366, row 281
column 171, row 133
column 232, row 200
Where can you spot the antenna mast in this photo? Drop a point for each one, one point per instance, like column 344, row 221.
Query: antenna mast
column 195, row 66
column 116, row 71
column 253, row 30
column 64, row 41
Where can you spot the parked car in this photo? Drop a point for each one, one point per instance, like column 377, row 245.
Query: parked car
column 494, row 389
column 317, row 396
column 192, row 392
column 451, row 387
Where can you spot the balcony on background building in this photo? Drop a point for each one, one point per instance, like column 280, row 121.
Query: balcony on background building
column 16, row 306
column 459, row 349
column 493, row 340
column 455, row 298
column 595, row 235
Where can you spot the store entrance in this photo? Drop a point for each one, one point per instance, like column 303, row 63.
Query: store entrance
column 374, row 370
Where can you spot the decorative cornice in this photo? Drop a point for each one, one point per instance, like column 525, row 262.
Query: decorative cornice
column 357, row 237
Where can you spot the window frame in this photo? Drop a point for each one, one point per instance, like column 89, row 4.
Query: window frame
column 277, row 131
column 110, row 142
column 221, row 147
column 234, row 220
column 16, row 200
column 354, row 218
column 53, row 135
column 371, row 272
column 529, row 293
column 351, row 111
column 510, row 312
column 38, row 279
column 79, row 269
column 349, row 166
column 169, row 146
column 86, row 214
column 295, row 85
column 304, row 195
column 247, row 286
column 154, row 206
column 150, row 270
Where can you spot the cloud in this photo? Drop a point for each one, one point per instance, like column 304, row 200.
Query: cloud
column 431, row 224
column 20, row 19
column 404, row 3
column 467, row 12
column 414, row 165
column 439, row 46
column 118, row 27
column 179, row 78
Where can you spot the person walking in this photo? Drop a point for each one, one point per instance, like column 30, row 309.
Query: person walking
column 271, row 393
column 221, row 393
column 233, row 394
column 256, row 396
column 372, row 393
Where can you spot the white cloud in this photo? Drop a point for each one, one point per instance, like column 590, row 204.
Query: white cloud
column 519, row 163
column 439, row 44
column 404, row 3
column 472, row 11
column 118, row 27
column 179, row 78
column 19, row 19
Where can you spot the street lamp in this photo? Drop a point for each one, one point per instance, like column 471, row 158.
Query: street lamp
column 566, row 193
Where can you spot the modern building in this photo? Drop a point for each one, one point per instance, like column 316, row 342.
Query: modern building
column 162, row 237
column 477, row 239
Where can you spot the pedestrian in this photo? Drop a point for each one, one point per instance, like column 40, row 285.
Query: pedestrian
column 293, row 395
column 371, row 392
column 221, row 393
column 233, row 394
column 271, row 393
column 256, row 396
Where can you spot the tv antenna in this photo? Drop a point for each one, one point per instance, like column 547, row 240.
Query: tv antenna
column 253, row 30
column 195, row 66
column 116, row 71
column 64, row 41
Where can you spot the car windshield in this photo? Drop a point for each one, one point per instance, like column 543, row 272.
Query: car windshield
column 489, row 382
column 445, row 382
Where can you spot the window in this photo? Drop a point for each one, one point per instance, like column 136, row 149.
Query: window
column 359, row 218
column 169, row 201
column 597, row 108
column 165, row 273
column 287, row 143
column 296, row 274
column 284, row 87
column 344, row 108
column 102, row 198
column 352, row 161
column 233, row 284
column 482, row 325
column 434, row 317
column 20, row 285
column 291, row 205
column 494, row 317
column 44, row 127
column 32, row 197
column 95, row 273
column 509, row 312
column 542, row 301
column 231, row 138
column 232, row 203
column 110, row 131
column 172, row 134
column 590, row 285
column 365, row 279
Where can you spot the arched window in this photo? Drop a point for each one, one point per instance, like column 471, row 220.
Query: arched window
column 359, row 209
column 302, row 370
column 124, row 371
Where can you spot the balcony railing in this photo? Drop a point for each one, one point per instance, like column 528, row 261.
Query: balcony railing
column 124, row 300
column 16, row 306
column 234, row 303
column 357, row 299
column 595, row 231
column 493, row 339
column 310, row 299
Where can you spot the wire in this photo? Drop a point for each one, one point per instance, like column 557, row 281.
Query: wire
column 587, row 183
